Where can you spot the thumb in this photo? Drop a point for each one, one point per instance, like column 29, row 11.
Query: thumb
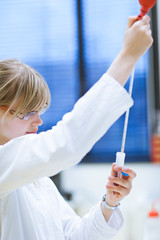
column 131, row 21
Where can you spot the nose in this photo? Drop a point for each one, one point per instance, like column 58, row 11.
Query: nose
column 36, row 120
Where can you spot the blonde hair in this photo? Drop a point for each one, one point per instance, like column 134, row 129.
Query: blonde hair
column 22, row 86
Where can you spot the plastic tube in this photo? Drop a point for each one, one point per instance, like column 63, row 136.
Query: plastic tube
column 127, row 113
column 120, row 158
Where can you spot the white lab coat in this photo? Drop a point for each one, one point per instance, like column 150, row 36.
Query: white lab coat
column 31, row 208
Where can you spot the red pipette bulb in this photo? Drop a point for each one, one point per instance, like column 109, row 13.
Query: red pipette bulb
column 146, row 5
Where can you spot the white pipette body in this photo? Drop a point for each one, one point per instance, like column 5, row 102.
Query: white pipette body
column 120, row 158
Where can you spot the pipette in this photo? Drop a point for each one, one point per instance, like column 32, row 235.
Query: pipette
column 120, row 156
column 146, row 5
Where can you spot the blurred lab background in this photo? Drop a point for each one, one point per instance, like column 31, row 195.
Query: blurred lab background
column 71, row 43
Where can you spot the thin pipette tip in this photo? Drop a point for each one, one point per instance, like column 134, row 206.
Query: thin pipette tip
column 127, row 113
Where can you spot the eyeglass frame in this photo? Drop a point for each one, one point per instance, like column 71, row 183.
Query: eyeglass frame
column 27, row 115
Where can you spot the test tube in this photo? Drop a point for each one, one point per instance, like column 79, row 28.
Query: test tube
column 120, row 158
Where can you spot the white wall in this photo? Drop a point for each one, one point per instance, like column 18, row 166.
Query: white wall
column 87, row 183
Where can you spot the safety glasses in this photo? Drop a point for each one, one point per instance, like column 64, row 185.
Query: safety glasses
column 27, row 115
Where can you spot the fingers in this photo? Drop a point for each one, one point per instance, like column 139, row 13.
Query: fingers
column 146, row 19
column 144, row 24
column 130, row 172
column 120, row 186
column 120, row 182
column 141, row 25
column 121, row 189
column 131, row 21
column 137, row 38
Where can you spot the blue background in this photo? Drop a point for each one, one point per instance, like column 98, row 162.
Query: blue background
column 44, row 34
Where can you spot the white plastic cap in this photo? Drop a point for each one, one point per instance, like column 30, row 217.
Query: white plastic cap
column 120, row 158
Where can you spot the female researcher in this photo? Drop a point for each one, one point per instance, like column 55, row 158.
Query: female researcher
column 31, row 208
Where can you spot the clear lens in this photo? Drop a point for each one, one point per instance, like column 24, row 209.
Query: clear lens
column 29, row 115
column 43, row 110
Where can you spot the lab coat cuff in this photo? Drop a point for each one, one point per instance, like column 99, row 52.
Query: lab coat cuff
column 117, row 87
column 111, row 227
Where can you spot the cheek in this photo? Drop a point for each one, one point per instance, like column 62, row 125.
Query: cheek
column 15, row 128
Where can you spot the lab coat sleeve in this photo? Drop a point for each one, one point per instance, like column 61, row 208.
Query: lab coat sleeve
column 92, row 226
column 27, row 158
